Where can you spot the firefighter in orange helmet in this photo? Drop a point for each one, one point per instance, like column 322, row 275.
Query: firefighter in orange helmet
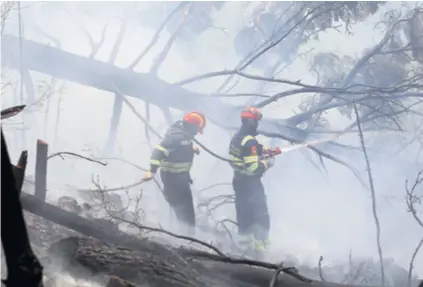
column 174, row 156
column 250, row 200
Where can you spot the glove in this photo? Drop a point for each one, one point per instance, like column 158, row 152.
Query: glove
column 148, row 176
column 269, row 162
column 196, row 150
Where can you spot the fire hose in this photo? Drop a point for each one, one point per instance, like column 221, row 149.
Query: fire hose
column 267, row 153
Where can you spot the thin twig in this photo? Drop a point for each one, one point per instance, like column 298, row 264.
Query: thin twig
column 162, row 56
column 141, row 226
column 215, row 185
column 76, row 155
column 156, row 35
column 114, row 188
column 411, row 198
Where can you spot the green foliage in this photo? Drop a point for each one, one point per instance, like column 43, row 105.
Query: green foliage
column 391, row 67
column 300, row 20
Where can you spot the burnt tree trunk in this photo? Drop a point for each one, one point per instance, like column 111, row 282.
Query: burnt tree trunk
column 141, row 260
column 90, row 258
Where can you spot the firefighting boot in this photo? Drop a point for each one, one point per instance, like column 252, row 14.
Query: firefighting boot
column 245, row 244
column 260, row 249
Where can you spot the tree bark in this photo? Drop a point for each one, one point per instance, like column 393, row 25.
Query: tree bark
column 118, row 282
column 86, row 257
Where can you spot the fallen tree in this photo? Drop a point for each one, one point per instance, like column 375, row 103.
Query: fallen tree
column 140, row 260
column 152, row 266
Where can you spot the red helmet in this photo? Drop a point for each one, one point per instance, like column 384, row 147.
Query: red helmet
column 196, row 119
column 251, row 113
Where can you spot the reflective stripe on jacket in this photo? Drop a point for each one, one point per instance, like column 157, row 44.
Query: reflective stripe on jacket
column 245, row 153
column 175, row 152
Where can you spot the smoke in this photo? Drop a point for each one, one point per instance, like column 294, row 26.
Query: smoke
column 312, row 213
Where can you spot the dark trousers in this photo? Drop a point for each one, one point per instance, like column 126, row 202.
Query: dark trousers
column 177, row 191
column 252, row 214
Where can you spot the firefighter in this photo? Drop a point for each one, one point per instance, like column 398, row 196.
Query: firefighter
column 246, row 153
column 174, row 156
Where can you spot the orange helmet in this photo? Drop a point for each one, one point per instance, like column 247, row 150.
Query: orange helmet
column 251, row 113
column 196, row 119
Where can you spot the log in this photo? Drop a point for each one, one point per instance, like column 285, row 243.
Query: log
column 91, row 228
column 88, row 257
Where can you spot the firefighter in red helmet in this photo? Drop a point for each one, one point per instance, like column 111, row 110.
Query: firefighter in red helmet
column 250, row 200
column 174, row 156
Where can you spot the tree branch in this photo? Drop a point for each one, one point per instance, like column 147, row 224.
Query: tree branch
column 295, row 120
column 118, row 43
column 75, row 155
column 413, row 257
column 373, row 193
column 94, row 46
column 411, row 198
column 156, row 36
column 136, row 112
column 162, row 56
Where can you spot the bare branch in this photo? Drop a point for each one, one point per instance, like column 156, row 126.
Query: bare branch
column 94, row 46
column 162, row 56
column 75, row 155
column 349, row 78
column 214, row 185
column 240, row 67
column 126, row 187
column 156, row 35
column 411, row 198
column 300, row 22
column 275, row 276
column 373, row 193
column 135, row 112
column 160, row 230
column 134, row 165
column 413, row 257
column 118, row 43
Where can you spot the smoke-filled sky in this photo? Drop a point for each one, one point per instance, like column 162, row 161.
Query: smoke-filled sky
column 312, row 213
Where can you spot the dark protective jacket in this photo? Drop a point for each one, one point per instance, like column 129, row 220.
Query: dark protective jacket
column 245, row 153
column 175, row 152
